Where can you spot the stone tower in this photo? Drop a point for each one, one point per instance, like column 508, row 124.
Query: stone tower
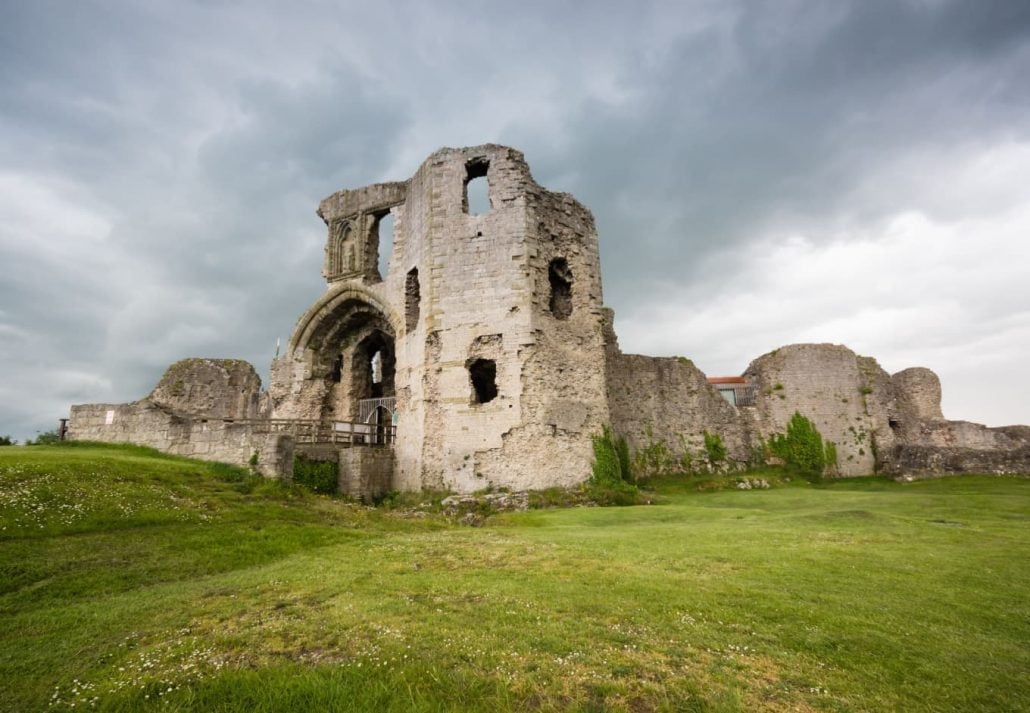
column 483, row 342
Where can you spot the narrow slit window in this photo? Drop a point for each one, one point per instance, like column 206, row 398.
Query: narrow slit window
column 560, row 276
column 412, row 297
column 483, row 375
column 376, row 367
column 384, row 240
column 477, row 187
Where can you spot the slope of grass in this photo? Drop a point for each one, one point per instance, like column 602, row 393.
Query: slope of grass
column 132, row 581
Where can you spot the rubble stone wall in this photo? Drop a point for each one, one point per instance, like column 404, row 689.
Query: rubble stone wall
column 146, row 423
column 670, row 399
column 218, row 388
column 845, row 397
column 365, row 473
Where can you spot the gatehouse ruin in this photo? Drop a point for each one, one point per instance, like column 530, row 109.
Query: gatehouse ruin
column 484, row 357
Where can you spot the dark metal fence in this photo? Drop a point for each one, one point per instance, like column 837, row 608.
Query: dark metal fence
column 343, row 433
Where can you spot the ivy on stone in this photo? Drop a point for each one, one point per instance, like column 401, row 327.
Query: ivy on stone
column 802, row 446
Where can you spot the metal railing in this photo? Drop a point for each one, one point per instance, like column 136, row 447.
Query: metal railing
column 368, row 408
column 313, row 431
column 746, row 395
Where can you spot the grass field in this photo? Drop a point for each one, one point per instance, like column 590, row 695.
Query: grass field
column 130, row 581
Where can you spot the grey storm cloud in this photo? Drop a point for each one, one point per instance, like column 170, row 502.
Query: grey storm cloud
column 160, row 163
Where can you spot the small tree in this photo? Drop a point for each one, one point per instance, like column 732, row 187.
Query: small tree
column 7, row 441
column 47, row 438
column 802, row 446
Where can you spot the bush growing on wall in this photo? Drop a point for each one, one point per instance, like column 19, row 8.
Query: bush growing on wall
column 802, row 446
column 610, row 483
column 611, row 458
column 715, row 449
column 831, row 455
column 319, row 476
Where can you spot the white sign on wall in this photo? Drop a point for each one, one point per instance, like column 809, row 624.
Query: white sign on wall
column 109, row 418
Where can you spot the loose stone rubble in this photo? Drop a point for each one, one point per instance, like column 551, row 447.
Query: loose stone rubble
column 485, row 358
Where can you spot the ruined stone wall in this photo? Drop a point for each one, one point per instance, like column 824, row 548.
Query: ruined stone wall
column 486, row 293
column 216, row 388
column 146, row 423
column 474, row 273
column 557, row 301
column 916, row 460
column 847, row 397
column 669, row 399
column 926, row 443
column 513, row 293
column 417, row 347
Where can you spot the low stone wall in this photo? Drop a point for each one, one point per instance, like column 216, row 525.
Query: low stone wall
column 963, row 434
column 365, row 473
column 147, row 424
column 937, row 460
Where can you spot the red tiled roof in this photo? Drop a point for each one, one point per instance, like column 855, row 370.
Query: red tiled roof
column 727, row 380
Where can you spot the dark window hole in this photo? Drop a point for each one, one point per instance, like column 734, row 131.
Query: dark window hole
column 560, row 276
column 412, row 297
column 483, row 374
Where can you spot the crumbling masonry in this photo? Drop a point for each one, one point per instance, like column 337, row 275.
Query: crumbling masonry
column 484, row 357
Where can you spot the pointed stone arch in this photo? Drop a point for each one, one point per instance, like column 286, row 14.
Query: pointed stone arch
column 344, row 344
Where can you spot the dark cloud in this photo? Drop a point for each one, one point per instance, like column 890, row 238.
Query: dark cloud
column 161, row 162
column 809, row 104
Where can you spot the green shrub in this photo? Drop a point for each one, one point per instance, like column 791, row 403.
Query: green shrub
column 613, row 493
column 622, row 451
column 47, row 438
column 715, row 449
column 610, row 482
column 686, row 460
column 611, row 458
column 802, row 446
column 831, row 455
column 319, row 476
column 7, row 441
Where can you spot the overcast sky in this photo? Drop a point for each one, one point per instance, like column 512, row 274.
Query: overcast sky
column 761, row 174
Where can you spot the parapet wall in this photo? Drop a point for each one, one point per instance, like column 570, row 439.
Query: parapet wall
column 148, row 424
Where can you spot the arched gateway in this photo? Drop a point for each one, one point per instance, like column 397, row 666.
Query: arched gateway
column 340, row 359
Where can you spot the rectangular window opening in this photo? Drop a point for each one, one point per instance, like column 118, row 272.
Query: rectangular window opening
column 483, row 375
column 476, row 198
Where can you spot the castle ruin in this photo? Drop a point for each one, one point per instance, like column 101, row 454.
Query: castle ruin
column 484, row 357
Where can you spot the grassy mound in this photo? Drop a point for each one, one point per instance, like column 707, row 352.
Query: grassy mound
column 130, row 580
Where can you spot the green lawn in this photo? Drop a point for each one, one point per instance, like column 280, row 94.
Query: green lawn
column 130, row 581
